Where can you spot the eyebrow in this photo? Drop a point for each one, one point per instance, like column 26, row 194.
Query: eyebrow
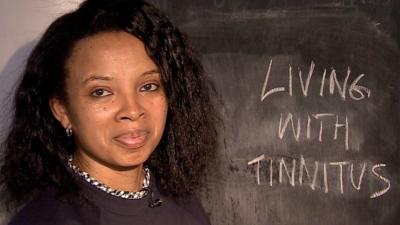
column 96, row 77
column 108, row 78
column 153, row 71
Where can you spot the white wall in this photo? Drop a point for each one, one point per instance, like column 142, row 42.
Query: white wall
column 22, row 21
column 21, row 24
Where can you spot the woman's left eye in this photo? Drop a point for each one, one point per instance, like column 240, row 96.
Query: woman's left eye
column 149, row 87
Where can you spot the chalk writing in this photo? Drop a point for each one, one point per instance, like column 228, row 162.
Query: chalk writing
column 281, row 170
column 355, row 91
column 319, row 117
column 289, row 170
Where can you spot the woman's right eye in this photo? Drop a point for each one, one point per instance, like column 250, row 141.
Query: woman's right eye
column 100, row 93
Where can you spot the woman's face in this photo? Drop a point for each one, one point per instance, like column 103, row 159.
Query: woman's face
column 116, row 104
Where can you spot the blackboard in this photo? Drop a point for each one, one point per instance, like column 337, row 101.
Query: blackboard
column 308, row 93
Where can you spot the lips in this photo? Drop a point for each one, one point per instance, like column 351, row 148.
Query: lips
column 132, row 139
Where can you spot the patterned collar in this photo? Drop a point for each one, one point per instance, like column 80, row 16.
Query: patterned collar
column 118, row 193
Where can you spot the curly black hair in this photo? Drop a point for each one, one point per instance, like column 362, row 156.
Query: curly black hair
column 36, row 147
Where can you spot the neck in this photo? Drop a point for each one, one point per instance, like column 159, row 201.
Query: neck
column 119, row 178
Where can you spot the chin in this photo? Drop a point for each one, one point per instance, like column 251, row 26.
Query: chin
column 134, row 159
column 126, row 165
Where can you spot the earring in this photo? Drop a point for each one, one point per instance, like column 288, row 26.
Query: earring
column 68, row 130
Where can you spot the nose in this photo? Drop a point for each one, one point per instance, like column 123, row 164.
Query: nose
column 130, row 109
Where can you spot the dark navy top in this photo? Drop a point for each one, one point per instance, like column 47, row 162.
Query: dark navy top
column 99, row 208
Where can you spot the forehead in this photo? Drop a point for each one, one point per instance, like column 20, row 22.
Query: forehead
column 111, row 52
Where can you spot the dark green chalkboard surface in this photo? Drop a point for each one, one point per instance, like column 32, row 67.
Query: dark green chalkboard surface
column 309, row 93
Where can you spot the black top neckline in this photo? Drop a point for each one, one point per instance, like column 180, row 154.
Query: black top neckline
column 116, row 204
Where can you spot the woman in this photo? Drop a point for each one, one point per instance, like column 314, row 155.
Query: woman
column 113, row 122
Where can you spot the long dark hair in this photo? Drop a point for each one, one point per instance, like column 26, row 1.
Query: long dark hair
column 36, row 147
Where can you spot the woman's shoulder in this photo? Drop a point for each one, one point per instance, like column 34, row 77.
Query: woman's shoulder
column 46, row 208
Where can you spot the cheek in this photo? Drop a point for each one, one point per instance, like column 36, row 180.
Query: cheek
column 159, row 109
column 88, row 117
column 164, row 112
column 164, row 108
